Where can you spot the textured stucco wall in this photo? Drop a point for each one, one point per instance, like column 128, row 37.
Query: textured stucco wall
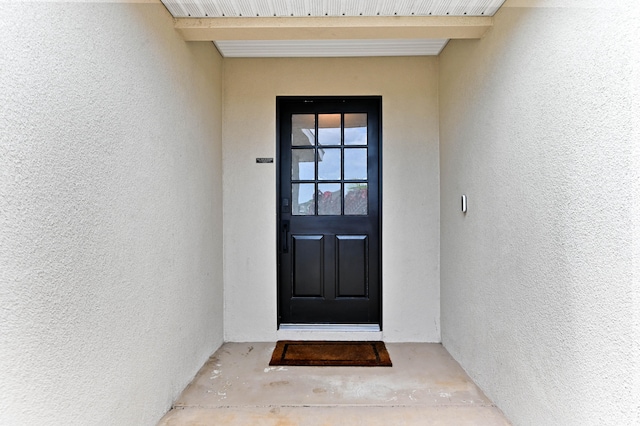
column 539, row 290
column 410, row 212
column 635, row 187
column 110, row 212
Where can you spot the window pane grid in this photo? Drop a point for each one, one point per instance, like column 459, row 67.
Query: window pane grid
column 336, row 181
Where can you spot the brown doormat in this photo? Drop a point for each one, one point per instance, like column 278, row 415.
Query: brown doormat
column 337, row 354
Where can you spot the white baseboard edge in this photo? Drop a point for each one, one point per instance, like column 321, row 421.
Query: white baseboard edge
column 330, row 327
column 366, row 332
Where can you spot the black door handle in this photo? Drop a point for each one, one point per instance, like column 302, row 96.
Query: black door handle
column 285, row 242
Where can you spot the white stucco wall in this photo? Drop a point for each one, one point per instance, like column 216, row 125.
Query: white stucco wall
column 110, row 212
column 635, row 187
column 539, row 291
column 410, row 186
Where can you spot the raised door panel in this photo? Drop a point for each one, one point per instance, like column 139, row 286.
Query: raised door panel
column 308, row 265
column 352, row 265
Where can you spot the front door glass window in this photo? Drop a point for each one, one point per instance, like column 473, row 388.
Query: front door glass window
column 329, row 158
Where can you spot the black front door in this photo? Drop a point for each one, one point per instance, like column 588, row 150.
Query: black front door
column 329, row 210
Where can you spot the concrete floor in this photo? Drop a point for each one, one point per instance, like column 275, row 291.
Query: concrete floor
column 425, row 386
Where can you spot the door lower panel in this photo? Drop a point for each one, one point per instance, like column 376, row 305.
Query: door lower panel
column 308, row 265
column 352, row 256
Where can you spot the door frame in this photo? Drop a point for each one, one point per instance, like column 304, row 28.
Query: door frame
column 280, row 100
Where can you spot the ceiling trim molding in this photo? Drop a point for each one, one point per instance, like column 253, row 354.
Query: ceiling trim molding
column 329, row 48
column 334, row 28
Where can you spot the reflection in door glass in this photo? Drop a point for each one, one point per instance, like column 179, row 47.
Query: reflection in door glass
column 329, row 199
column 356, row 199
column 303, row 127
column 303, row 164
column 355, row 163
column 329, row 163
column 304, row 203
column 355, row 129
column 329, row 127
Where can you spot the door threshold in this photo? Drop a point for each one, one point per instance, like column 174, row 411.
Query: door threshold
column 341, row 328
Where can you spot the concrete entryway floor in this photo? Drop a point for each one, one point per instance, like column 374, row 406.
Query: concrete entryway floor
column 425, row 386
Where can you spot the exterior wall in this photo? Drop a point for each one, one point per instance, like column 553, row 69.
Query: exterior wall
column 410, row 186
column 635, row 188
column 110, row 212
column 539, row 291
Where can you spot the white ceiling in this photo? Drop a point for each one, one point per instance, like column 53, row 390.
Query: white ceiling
column 301, row 8
column 330, row 8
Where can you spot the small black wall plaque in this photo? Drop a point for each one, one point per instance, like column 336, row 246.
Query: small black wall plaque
column 264, row 160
